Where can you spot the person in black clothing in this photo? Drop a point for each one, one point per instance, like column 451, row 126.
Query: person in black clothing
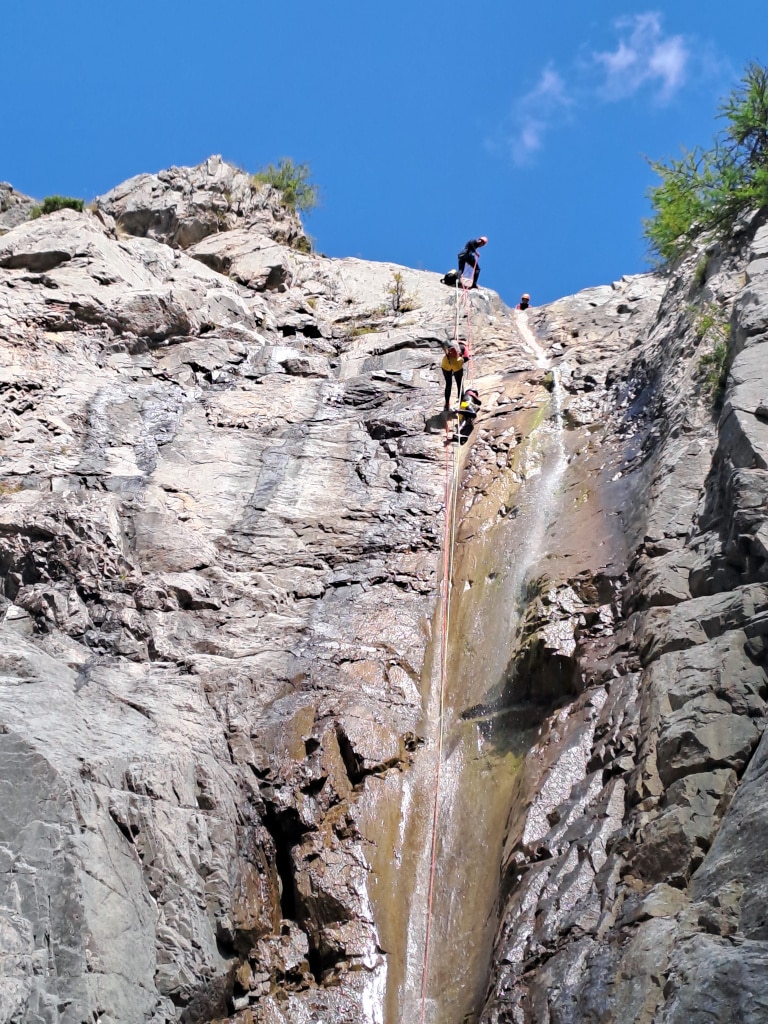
column 469, row 255
column 524, row 302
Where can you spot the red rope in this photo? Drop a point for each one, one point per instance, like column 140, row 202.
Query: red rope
column 467, row 308
column 450, row 498
column 451, row 494
column 450, row 453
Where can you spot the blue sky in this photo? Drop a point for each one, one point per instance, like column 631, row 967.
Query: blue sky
column 425, row 123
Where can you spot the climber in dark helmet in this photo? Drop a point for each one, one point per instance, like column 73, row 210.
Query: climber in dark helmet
column 470, row 403
column 469, row 407
column 525, row 301
column 453, row 367
column 468, row 257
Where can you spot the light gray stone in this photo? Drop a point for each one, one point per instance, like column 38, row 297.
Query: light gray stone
column 15, row 207
column 183, row 205
column 221, row 553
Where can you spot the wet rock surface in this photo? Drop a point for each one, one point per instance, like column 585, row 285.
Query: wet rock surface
column 622, row 903
column 223, row 480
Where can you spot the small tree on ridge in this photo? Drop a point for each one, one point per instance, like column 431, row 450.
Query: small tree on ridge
column 706, row 190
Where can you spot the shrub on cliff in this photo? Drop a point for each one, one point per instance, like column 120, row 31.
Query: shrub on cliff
column 711, row 327
column 292, row 181
column 706, row 190
column 53, row 203
column 400, row 299
column 713, row 367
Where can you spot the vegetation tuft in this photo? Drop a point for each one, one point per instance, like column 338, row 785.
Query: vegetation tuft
column 710, row 321
column 714, row 369
column 401, row 300
column 302, row 244
column 710, row 325
column 700, row 273
column 706, row 190
column 53, row 203
column 292, row 181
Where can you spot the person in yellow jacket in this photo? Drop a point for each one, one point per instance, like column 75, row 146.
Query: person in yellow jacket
column 453, row 367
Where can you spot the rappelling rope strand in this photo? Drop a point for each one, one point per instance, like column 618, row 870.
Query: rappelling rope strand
column 467, row 309
column 450, row 454
column 452, row 474
column 456, row 319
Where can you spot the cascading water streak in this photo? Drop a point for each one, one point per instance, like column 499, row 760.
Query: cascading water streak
column 477, row 771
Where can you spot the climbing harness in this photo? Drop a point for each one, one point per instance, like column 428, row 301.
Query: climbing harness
column 467, row 278
column 452, row 477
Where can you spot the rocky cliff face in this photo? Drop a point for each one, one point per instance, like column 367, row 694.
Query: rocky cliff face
column 632, row 888
column 222, row 704
column 15, row 207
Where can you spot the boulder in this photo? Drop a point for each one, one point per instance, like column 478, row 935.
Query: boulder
column 15, row 207
column 183, row 205
column 249, row 258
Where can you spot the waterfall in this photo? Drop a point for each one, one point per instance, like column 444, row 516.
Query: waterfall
column 549, row 460
column 477, row 771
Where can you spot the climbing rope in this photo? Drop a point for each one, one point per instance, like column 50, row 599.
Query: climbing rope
column 467, row 309
column 456, row 318
column 463, row 290
column 452, row 476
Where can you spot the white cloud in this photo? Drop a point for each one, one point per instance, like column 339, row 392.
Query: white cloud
column 534, row 114
column 549, row 90
column 644, row 56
